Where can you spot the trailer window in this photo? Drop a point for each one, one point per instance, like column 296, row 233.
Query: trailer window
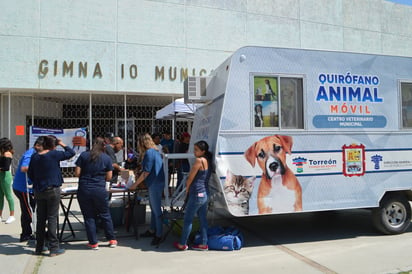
column 406, row 91
column 272, row 94
column 291, row 102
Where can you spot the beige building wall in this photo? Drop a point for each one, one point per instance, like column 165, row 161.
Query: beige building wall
column 150, row 46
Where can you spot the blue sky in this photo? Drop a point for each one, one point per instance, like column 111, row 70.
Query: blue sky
column 403, row 2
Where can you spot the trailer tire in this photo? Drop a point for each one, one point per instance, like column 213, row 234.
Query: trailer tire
column 393, row 216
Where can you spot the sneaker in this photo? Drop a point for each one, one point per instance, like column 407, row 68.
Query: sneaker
column 94, row 247
column 156, row 241
column 57, row 252
column 37, row 253
column 10, row 219
column 42, row 252
column 147, row 234
column 112, row 243
column 200, row 247
column 180, row 247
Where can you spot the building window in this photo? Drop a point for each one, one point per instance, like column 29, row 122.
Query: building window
column 99, row 113
column 406, row 93
column 274, row 93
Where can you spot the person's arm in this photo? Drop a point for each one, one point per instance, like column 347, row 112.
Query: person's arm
column 107, row 162
column 117, row 167
column 139, row 180
column 109, row 175
column 147, row 163
column 193, row 171
column 68, row 151
column 77, row 171
column 30, row 171
column 25, row 161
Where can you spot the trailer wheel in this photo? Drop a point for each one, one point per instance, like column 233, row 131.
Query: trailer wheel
column 393, row 216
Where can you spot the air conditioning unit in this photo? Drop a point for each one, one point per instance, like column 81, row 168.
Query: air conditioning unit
column 196, row 89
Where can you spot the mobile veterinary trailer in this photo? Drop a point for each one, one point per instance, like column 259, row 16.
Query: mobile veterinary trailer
column 297, row 130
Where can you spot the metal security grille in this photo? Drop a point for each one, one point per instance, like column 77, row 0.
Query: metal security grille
column 126, row 116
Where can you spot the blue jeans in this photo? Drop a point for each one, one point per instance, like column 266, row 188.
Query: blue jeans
column 155, row 202
column 93, row 201
column 195, row 204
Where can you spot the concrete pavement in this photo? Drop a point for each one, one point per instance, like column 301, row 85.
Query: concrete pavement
column 273, row 245
column 137, row 256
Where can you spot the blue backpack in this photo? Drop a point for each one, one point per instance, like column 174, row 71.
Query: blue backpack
column 220, row 238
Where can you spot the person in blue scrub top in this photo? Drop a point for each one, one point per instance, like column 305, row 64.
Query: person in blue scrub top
column 154, row 179
column 94, row 168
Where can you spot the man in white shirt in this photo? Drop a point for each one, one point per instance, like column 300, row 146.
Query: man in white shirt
column 156, row 139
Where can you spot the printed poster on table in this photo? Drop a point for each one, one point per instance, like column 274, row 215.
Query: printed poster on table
column 73, row 137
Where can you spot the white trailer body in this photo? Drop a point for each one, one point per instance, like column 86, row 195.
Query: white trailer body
column 333, row 130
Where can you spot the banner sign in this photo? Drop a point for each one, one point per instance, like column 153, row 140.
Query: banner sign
column 73, row 137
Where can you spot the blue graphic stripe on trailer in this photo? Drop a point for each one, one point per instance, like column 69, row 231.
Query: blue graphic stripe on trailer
column 389, row 149
column 324, row 151
column 296, row 174
column 230, row 153
column 316, row 151
column 335, row 173
column 393, row 170
column 318, row 174
column 341, row 173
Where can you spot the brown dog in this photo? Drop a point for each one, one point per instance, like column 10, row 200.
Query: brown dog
column 279, row 189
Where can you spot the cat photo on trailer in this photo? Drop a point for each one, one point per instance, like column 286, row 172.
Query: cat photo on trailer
column 238, row 190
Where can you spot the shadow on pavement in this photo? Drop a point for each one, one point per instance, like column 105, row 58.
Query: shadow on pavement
column 307, row 227
column 11, row 246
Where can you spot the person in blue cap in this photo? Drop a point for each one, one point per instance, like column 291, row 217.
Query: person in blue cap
column 25, row 194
